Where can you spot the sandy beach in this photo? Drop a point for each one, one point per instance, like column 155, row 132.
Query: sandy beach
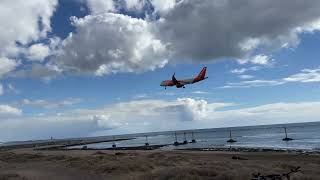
column 153, row 164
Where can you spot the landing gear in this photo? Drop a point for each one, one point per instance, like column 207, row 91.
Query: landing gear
column 165, row 87
column 183, row 87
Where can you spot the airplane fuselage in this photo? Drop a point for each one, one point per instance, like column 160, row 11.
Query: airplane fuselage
column 181, row 83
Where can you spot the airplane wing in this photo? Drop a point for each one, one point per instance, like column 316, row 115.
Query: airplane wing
column 177, row 83
column 174, row 80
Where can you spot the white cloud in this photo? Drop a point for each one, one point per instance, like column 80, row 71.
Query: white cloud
column 238, row 71
column 12, row 88
column 200, row 92
column 305, row 76
column 271, row 114
column 141, row 96
column 252, row 83
column 249, row 44
column 163, row 6
column 101, row 6
column 45, row 72
column 197, row 30
column 125, row 117
column 105, row 122
column 153, row 115
column 23, row 22
column 105, row 6
column 6, row 110
column 136, row 5
column 107, row 42
column 245, row 76
column 7, row 65
column 110, row 43
column 259, row 59
column 38, row 52
column 243, row 70
column 41, row 103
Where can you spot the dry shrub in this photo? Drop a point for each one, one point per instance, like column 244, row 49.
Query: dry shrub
column 179, row 173
column 99, row 153
column 55, row 158
column 11, row 176
column 226, row 177
column 156, row 156
column 19, row 158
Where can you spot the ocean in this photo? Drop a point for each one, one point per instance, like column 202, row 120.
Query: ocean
column 306, row 136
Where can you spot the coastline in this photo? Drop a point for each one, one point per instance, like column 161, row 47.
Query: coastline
column 28, row 163
column 222, row 149
column 163, row 158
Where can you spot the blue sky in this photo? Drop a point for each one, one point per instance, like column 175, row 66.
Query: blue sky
column 97, row 65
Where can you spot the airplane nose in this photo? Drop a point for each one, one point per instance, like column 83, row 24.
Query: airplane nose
column 162, row 83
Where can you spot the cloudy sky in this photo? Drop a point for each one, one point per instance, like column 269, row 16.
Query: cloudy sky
column 71, row 68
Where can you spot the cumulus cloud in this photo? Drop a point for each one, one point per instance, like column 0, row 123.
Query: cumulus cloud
column 7, row 65
column 172, row 31
column 101, row 6
column 110, row 43
column 105, row 122
column 152, row 115
column 183, row 31
column 204, row 30
column 259, row 59
column 45, row 72
column 163, row 6
column 38, row 52
column 23, row 22
column 125, row 117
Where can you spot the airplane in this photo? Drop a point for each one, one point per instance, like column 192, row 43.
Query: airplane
column 181, row 83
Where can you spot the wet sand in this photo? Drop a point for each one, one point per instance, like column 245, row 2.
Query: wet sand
column 153, row 164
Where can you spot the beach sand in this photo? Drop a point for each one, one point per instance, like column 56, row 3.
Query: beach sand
column 154, row 164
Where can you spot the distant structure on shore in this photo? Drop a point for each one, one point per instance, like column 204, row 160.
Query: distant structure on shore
column 147, row 143
column 230, row 138
column 193, row 139
column 286, row 138
column 114, row 143
column 185, row 138
column 176, row 143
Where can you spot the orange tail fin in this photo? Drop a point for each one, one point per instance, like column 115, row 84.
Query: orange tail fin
column 202, row 74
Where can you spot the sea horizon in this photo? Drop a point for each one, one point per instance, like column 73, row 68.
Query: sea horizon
column 178, row 131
